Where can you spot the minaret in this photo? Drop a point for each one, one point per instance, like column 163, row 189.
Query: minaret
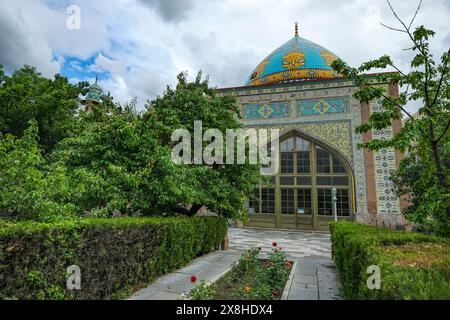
column 93, row 97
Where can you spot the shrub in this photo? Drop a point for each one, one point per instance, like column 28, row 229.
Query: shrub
column 413, row 265
column 114, row 255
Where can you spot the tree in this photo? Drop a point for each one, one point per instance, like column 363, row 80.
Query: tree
column 223, row 188
column 26, row 95
column 425, row 139
column 27, row 191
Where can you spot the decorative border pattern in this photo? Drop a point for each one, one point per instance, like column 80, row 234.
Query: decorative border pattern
column 295, row 74
column 273, row 110
column 322, row 106
column 385, row 165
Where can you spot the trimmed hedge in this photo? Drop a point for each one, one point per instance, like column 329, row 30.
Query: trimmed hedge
column 412, row 265
column 115, row 255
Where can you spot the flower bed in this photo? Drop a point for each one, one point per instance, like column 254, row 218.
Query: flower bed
column 251, row 278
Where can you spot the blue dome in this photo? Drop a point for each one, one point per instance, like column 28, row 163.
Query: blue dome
column 297, row 60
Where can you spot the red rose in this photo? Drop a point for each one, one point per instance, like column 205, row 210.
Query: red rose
column 274, row 244
column 193, row 279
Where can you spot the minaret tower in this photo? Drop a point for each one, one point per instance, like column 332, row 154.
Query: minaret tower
column 93, row 97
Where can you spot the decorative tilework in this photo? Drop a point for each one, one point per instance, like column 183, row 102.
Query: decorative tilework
column 334, row 133
column 387, row 200
column 321, row 106
column 348, row 121
column 274, row 110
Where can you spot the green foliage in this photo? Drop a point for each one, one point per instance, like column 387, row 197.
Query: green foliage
column 112, row 254
column 425, row 137
column 413, row 265
column 428, row 207
column 26, row 190
column 111, row 160
column 27, row 95
column 108, row 153
column 222, row 188
column 278, row 269
column 201, row 291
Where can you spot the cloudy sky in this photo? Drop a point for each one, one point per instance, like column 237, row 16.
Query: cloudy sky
column 137, row 47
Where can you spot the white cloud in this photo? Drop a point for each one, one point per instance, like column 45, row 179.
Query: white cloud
column 144, row 44
column 22, row 44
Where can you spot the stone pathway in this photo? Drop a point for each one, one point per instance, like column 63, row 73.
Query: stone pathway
column 297, row 244
column 315, row 276
column 209, row 267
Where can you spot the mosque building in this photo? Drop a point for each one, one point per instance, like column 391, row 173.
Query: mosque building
column 296, row 90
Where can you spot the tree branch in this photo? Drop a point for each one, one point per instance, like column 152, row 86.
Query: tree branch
column 444, row 132
column 415, row 15
column 397, row 17
column 398, row 105
column 444, row 72
column 391, row 28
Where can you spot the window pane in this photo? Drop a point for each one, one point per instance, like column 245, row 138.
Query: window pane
column 323, row 161
column 337, row 166
column 287, row 162
column 332, row 181
column 287, row 145
column 267, row 200
column 343, row 204
column 287, row 201
column 340, row 181
column 302, row 145
column 304, row 201
column 324, row 181
column 287, row 181
column 324, row 204
column 303, row 162
column 253, row 203
column 303, row 181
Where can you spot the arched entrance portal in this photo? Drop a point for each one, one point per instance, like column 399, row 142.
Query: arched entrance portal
column 299, row 196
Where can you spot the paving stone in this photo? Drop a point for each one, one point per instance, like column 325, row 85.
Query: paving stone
column 301, row 279
column 165, row 296
column 303, row 294
column 328, row 296
column 305, row 286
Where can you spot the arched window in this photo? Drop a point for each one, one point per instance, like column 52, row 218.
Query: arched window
column 307, row 174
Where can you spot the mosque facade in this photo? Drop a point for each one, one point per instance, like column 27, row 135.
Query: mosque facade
column 296, row 90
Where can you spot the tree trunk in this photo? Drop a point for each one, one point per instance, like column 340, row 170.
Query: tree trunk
column 194, row 209
column 437, row 159
column 190, row 213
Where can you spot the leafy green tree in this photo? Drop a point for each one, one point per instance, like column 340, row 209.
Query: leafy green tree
column 425, row 138
column 124, row 168
column 222, row 188
column 26, row 190
column 27, row 95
